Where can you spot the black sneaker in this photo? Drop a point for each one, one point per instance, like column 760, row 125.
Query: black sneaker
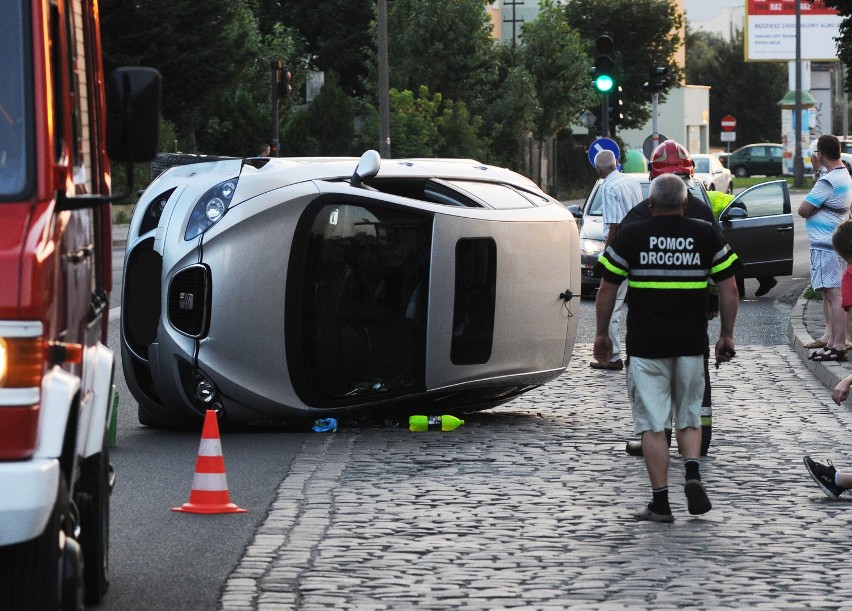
column 697, row 501
column 824, row 477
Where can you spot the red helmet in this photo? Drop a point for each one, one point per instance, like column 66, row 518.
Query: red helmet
column 671, row 158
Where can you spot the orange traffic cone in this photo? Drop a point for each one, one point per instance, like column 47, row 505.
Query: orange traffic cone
column 209, row 492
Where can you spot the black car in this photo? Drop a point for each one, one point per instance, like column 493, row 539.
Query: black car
column 758, row 224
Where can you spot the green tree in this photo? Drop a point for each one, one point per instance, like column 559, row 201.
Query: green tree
column 337, row 33
column 214, row 63
column 750, row 91
column 445, row 46
column 326, row 127
column 552, row 53
column 646, row 35
column 511, row 116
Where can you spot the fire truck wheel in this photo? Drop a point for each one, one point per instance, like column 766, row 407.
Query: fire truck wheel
column 93, row 502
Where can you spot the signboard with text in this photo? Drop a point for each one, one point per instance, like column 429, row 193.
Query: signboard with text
column 771, row 30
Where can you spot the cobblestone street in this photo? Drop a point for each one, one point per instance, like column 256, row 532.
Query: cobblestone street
column 530, row 506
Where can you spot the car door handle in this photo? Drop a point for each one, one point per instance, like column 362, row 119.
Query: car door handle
column 784, row 229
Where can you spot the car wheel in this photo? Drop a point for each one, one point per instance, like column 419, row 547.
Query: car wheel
column 730, row 190
column 740, row 172
column 31, row 575
column 712, row 187
column 93, row 502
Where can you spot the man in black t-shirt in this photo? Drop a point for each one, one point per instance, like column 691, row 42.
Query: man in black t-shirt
column 695, row 209
column 666, row 261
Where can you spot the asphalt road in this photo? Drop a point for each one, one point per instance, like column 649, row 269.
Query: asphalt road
column 161, row 560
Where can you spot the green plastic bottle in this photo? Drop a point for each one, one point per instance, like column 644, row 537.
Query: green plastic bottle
column 434, row 423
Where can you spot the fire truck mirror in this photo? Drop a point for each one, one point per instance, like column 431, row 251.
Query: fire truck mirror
column 133, row 111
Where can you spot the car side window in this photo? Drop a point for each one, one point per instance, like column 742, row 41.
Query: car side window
column 757, row 151
column 767, row 200
column 775, row 152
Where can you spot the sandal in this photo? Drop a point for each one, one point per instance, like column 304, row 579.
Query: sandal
column 832, row 354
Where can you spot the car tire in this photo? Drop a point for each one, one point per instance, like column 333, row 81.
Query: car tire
column 712, row 187
column 31, row 569
column 730, row 190
column 740, row 172
column 93, row 501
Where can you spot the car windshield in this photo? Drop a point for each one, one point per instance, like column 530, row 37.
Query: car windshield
column 593, row 207
column 702, row 166
column 15, row 101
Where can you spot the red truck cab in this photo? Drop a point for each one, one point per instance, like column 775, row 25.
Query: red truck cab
column 56, row 372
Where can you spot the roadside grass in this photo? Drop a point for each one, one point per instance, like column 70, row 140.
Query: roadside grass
column 744, row 183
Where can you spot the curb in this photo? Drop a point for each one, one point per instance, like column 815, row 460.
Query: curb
column 119, row 235
column 827, row 373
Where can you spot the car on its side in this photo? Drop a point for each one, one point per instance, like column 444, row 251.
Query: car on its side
column 712, row 174
column 758, row 224
column 761, row 158
column 287, row 289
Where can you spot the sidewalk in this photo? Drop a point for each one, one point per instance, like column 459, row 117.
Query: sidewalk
column 806, row 325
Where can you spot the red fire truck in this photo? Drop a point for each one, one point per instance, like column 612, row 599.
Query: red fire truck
column 56, row 372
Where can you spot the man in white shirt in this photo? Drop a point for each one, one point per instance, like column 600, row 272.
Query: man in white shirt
column 619, row 194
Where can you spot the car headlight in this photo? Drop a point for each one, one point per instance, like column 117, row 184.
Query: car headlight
column 591, row 247
column 210, row 209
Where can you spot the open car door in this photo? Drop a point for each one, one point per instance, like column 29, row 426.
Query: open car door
column 758, row 224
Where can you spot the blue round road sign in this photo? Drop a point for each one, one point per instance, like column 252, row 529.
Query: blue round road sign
column 603, row 144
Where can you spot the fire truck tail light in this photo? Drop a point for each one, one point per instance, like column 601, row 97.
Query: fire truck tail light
column 21, row 362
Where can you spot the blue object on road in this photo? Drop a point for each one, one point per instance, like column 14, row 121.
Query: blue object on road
column 324, row 425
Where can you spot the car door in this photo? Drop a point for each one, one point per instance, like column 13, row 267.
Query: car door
column 758, row 225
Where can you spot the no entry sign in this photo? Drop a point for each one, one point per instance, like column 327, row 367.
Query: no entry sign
column 729, row 123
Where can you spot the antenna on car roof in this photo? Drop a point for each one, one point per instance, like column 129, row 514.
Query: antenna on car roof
column 368, row 166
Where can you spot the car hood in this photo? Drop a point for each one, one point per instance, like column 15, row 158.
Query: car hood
column 592, row 228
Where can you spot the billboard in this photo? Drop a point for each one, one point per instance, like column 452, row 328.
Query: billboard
column 770, row 27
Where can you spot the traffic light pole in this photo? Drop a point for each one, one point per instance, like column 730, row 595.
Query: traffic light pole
column 655, row 139
column 605, row 115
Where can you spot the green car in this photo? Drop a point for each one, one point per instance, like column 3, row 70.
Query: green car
column 763, row 158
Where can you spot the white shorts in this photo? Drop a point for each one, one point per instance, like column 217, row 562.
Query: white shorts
column 660, row 389
column 827, row 269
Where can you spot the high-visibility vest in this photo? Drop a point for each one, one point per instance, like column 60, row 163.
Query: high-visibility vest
column 719, row 201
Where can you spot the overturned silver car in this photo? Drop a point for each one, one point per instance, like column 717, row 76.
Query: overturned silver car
column 279, row 290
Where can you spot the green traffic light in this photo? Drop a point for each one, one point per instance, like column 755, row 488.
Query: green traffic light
column 604, row 83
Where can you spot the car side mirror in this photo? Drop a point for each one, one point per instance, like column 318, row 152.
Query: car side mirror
column 734, row 213
column 574, row 209
column 368, row 166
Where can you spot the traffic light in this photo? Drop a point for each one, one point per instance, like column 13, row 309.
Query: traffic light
column 616, row 107
column 284, row 82
column 604, row 68
column 657, row 79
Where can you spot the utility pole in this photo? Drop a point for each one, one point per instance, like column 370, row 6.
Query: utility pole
column 798, row 163
column 384, row 100
column 276, row 71
column 514, row 20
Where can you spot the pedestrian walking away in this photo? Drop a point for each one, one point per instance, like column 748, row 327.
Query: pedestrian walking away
column 666, row 262
column 619, row 193
column 824, row 208
column 672, row 158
